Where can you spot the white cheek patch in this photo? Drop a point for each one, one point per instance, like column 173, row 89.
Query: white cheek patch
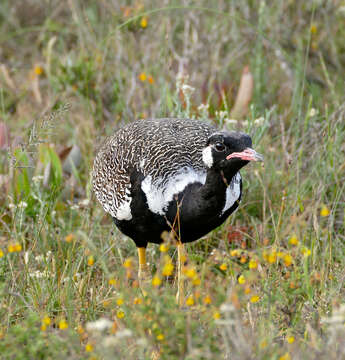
column 159, row 196
column 233, row 192
column 207, row 157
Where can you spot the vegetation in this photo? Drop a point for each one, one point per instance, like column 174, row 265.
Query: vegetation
column 267, row 284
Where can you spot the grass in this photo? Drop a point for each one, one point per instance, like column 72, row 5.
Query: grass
column 267, row 284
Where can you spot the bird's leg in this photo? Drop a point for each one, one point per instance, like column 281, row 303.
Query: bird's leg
column 144, row 274
column 181, row 260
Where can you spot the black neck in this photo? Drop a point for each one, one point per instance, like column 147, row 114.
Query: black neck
column 217, row 180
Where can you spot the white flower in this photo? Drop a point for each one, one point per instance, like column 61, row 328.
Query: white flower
column 39, row 258
column 49, row 255
column 37, row 179
column 180, row 78
column 312, row 112
column 12, row 206
column 84, row 202
column 231, row 121
column 221, row 114
column 99, row 325
column 259, row 121
column 203, row 107
column 226, row 307
column 124, row 333
column 187, row 90
column 39, row 274
column 22, row 205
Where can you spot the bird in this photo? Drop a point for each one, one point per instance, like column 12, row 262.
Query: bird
column 170, row 174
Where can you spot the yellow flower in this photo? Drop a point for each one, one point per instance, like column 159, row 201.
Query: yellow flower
column 286, row 356
column 243, row 259
column 38, row 70
column 88, row 347
column 313, row 29
column 69, row 238
column 14, row 247
column 253, row 264
column 128, row 263
column 306, row 252
column 63, row 324
column 207, row 300
column 265, row 255
column 247, row 290
column 119, row 301
column 287, row 259
column 241, row 279
column 46, row 320
column 235, row 252
column 290, row 339
column 18, row 247
column 168, row 269
column 80, row 330
column 106, row 303
column 90, row 260
column 156, row 281
column 223, row 267
column 196, row 281
column 137, row 301
column 142, row 76
column 1, row 253
column 190, row 273
column 272, row 257
column 143, row 22
column 43, row 327
column 120, row 314
column 163, row 247
column 150, row 79
column 190, row 301
column 293, row 240
column 216, row 315
column 112, row 281
column 324, row 211
column 254, row 299
column 160, row 337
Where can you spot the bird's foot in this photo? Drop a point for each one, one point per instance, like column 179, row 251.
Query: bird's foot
column 145, row 278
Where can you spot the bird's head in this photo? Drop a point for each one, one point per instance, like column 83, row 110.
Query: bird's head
column 226, row 150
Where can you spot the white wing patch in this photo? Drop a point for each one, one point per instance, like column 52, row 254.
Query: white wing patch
column 233, row 192
column 158, row 196
column 123, row 212
column 207, row 156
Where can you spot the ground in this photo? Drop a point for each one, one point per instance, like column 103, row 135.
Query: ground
column 267, row 284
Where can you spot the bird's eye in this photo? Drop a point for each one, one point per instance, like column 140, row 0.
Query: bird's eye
column 220, row 147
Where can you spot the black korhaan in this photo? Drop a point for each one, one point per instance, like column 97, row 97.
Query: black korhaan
column 169, row 174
